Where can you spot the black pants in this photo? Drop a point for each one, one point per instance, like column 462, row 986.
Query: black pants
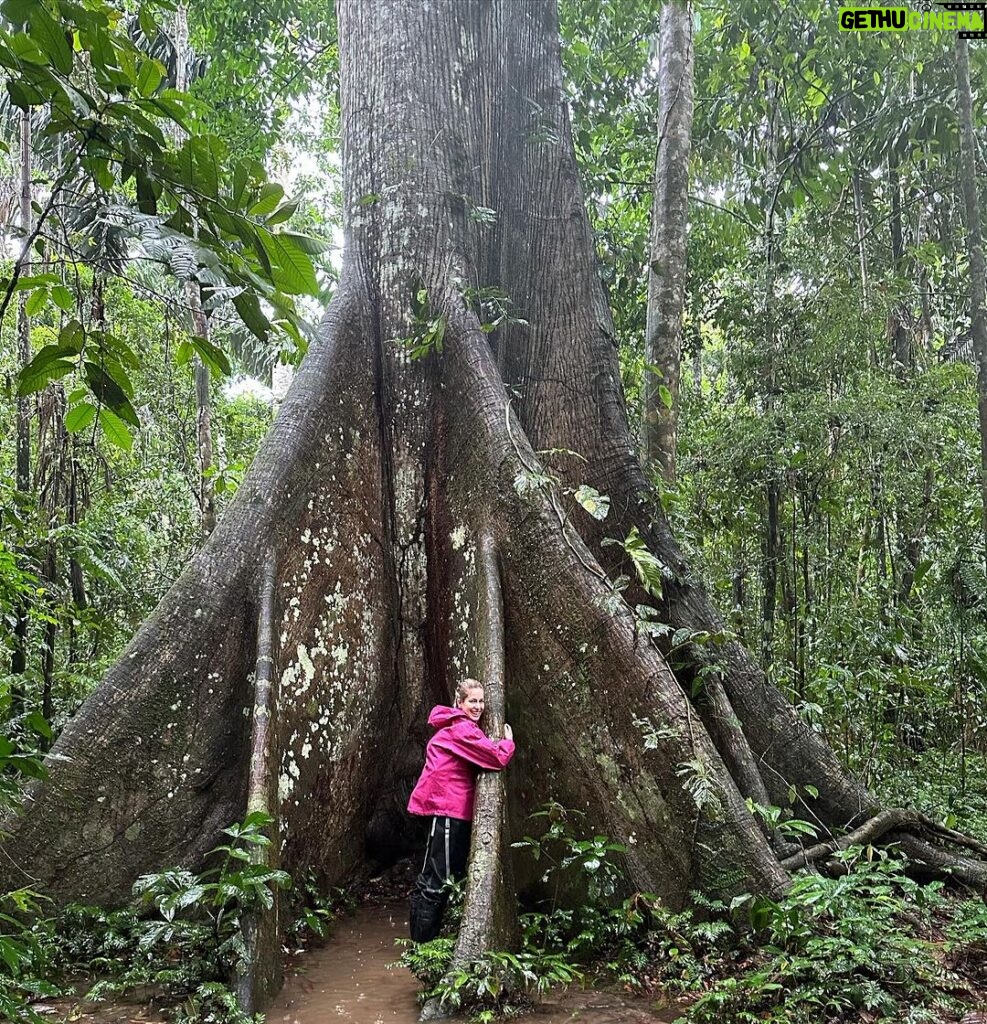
column 445, row 861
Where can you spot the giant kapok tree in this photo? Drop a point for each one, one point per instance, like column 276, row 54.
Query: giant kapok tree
column 414, row 517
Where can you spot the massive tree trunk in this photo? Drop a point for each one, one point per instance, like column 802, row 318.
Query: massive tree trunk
column 419, row 514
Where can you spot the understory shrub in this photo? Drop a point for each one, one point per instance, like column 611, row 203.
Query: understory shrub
column 180, row 940
column 871, row 943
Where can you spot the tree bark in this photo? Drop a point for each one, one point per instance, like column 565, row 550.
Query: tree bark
column 206, row 492
column 25, row 404
column 975, row 247
column 260, row 976
column 669, row 216
column 420, row 538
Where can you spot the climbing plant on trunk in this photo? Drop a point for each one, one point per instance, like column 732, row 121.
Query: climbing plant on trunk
column 432, row 495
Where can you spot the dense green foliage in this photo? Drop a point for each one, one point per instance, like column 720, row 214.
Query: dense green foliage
column 827, row 352
column 867, row 940
column 136, row 198
column 180, row 940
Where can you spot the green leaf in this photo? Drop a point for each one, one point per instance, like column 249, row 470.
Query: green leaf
column 121, row 350
column 115, row 430
column 293, row 271
column 149, row 77
column 212, row 356
column 110, row 393
column 596, row 504
column 270, row 195
column 39, row 724
column 241, row 176
column 24, row 95
column 18, row 11
column 649, row 568
column 184, row 353
column 26, row 48
column 79, row 417
column 284, row 212
column 171, row 104
column 36, row 301
column 147, row 23
column 206, row 151
column 921, row 570
column 248, row 306
column 72, row 337
column 51, row 38
column 28, row 281
column 63, row 298
column 311, row 244
column 49, row 364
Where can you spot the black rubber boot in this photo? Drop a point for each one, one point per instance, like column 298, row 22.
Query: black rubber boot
column 445, row 861
column 425, row 918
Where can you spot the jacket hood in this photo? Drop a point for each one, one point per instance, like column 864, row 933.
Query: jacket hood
column 441, row 716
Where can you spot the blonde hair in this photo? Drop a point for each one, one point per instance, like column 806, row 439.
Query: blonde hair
column 463, row 690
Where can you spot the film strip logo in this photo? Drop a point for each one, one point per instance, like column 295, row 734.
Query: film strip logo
column 963, row 33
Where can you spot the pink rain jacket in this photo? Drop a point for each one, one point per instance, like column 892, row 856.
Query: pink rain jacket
column 458, row 748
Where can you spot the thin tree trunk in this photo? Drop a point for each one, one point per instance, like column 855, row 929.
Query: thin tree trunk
column 669, row 216
column 859, row 220
column 200, row 326
column 25, row 405
column 975, row 247
column 203, row 415
column 772, row 553
column 259, row 975
column 898, row 330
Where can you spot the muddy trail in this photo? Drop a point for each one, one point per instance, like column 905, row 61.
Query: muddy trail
column 348, row 981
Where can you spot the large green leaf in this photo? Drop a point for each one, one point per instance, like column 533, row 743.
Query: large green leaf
column 292, row 269
column 212, row 357
column 270, row 195
column 248, row 306
column 150, row 76
column 79, row 417
column 51, row 38
column 115, row 430
column 51, row 363
column 110, row 393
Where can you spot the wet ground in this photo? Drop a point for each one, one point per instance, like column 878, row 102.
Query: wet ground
column 349, row 982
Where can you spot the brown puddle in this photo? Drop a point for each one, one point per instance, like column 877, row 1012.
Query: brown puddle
column 348, row 980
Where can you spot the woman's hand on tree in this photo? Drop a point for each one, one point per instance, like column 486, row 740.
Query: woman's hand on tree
column 508, row 732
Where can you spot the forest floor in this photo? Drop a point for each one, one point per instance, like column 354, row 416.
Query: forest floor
column 353, row 979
